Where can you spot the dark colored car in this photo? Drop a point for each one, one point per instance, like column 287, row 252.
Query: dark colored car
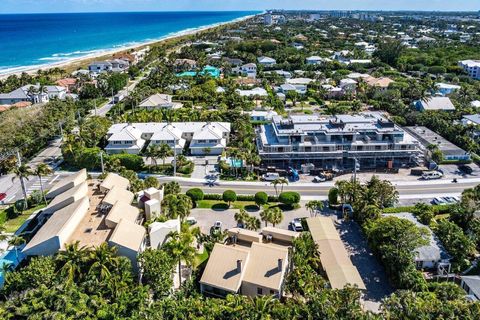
column 3, row 195
column 466, row 169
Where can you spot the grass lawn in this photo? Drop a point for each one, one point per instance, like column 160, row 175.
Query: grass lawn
column 12, row 225
column 200, row 258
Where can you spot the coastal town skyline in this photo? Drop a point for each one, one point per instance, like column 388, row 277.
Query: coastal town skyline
column 62, row 6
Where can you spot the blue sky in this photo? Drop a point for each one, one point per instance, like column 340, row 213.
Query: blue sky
column 29, row 6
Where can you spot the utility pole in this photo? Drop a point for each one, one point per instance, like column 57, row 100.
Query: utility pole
column 174, row 156
column 356, row 167
column 101, row 162
column 95, row 105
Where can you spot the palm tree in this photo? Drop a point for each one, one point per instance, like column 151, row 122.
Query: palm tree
column 266, row 216
column 43, row 170
column 276, row 216
column 22, row 173
column 72, row 260
column 241, row 217
column 275, row 184
column 104, row 261
column 164, row 151
column 16, row 241
column 283, row 182
column 180, row 247
column 314, row 206
column 252, row 223
column 177, row 206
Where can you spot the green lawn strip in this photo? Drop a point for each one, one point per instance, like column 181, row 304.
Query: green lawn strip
column 12, row 225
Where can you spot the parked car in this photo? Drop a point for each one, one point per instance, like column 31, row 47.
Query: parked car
column 466, row 169
column 450, row 200
column 3, row 195
column 270, row 176
column 191, row 221
column 432, row 175
column 439, row 201
column 319, row 179
column 296, row 225
column 217, row 225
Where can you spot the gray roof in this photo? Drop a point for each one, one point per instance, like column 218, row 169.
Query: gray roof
column 428, row 137
column 437, row 103
column 434, row 251
column 473, row 282
column 475, row 118
column 15, row 94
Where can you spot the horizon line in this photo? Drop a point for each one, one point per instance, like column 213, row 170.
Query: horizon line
column 252, row 10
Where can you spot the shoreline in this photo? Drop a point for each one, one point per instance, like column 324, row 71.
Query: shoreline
column 105, row 53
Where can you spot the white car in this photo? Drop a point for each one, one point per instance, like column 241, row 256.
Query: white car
column 217, row 225
column 318, row 179
column 296, row 225
column 432, row 175
column 271, row 176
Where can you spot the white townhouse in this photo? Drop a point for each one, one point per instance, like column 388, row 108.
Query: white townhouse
column 115, row 65
column 199, row 136
column 472, row 67
column 315, row 60
column 266, row 61
column 34, row 94
column 249, row 70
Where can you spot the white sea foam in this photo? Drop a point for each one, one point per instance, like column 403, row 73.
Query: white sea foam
column 62, row 59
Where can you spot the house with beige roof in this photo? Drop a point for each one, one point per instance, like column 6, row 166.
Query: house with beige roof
column 67, row 183
column 58, row 229
column 129, row 239
column 333, row 256
column 252, row 263
column 381, row 83
column 160, row 101
column 90, row 213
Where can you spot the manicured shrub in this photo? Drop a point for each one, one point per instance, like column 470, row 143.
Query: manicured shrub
column 333, row 196
column 289, row 198
column 229, row 196
column 130, row 161
column 195, row 194
column 261, row 198
column 151, row 182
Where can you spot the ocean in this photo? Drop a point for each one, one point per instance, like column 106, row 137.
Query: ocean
column 31, row 40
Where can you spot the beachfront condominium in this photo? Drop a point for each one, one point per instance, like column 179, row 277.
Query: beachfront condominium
column 334, row 142
column 199, row 138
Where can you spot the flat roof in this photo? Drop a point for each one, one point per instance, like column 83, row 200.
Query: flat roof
column 333, row 255
column 245, row 234
column 222, row 271
column 280, row 234
column 428, row 137
column 128, row 235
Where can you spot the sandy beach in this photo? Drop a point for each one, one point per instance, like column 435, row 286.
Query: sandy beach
column 81, row 62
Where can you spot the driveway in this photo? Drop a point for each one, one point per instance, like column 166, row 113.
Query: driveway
column 370, row 269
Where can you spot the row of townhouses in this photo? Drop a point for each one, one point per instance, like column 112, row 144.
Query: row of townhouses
column 200, row 138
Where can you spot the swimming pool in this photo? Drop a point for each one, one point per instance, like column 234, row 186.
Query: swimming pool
column 10, row 258
column 214, row 72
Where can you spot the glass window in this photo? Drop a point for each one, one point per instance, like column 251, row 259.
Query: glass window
column 259, row 291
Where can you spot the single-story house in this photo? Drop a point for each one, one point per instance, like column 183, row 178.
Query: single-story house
column 160, row 101
column 159, row 231
column 435, row 104
column 446, row 89
column 267, row 61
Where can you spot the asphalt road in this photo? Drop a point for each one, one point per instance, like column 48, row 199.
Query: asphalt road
column 420, row 189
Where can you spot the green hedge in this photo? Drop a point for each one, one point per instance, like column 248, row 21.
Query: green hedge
column 130, row 161
column 240, row 197
column 439, row 209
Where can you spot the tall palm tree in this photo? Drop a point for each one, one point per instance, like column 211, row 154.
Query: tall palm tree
column 22, row 173
column 177, row 206
column 241, row 217
column 266, row 216
column 276, row 216
column 283, row 182
column 43, row 170
column 252, row 223
column 72, row 261
column 104, row 260
column 314, row 206
column 15, row 242
column 275, row 184
column 180, row 247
